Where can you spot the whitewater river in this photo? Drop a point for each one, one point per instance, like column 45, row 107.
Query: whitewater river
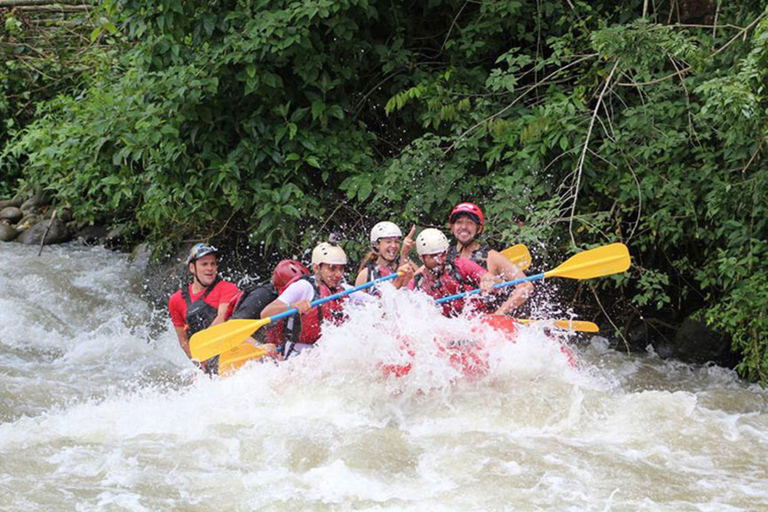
column 98, row 412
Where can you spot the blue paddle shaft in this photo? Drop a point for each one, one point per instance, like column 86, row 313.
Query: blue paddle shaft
column 293, row 311
column 500, row 285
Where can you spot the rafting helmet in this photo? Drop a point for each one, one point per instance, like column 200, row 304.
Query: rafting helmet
column 200, row 250
column 286, row 271
column 328, row 253
column 431, row 241
column 471, row 210
column 385, row 229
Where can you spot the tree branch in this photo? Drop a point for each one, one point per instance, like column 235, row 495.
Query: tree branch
column 26, row 3
column 584, row 151
column 450, row 29
column 680, row 72
column 529, row 89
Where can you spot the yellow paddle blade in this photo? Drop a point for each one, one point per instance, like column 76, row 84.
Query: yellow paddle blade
column 222, row 337
column 231, row 360
column 601, row 261
column 519, row 255
column 571, row 325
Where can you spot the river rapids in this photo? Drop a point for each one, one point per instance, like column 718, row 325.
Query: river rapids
column 100, row 412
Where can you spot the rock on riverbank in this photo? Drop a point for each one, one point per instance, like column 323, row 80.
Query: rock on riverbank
column 34, row 221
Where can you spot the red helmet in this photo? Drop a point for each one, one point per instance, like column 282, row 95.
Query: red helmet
column 470, row 209
column 286, row 271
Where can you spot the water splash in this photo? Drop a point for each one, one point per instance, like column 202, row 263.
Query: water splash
column 94, row 417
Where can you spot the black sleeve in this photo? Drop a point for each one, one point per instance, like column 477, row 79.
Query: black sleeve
column 252, row 304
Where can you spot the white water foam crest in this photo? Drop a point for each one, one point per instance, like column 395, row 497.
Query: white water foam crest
column 345, row 369
column 406, row 328
column 66, row 294
column 73, row 328
column 331, row 429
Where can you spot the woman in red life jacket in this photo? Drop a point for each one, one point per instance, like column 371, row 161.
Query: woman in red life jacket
column 204, row 302
column 467, row 222
column 386, row 254
column 441, row 276
column 251, row 302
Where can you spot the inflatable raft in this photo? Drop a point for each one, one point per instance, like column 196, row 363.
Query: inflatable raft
column 468, row 356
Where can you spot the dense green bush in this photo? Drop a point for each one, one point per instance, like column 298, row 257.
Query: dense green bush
column 41, row 55
column 574, row 124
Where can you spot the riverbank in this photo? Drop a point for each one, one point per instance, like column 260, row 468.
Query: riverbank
column 33, row 219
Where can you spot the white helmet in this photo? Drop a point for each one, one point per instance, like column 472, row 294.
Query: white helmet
column 385, row 229
column 431, row 241
column 328, row 253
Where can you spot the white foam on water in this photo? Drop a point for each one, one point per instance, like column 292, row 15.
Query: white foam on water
column 97, row 418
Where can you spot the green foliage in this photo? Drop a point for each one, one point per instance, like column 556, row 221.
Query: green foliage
column 651, row 289
column 41, row 55
column 736, row 315
column 573, row 124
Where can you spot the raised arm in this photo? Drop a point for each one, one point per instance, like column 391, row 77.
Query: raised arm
column 504, row 269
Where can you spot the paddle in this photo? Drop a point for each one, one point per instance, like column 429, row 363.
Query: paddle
column 572, row 325
column 602, row 261
column 519, row 255
column 222, row 337
column 234, row 358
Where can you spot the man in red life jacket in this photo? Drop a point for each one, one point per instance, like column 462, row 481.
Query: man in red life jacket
column 441, row 277
column 467, row 222
column 303, row 330
column 204, row 302
column 251, row 302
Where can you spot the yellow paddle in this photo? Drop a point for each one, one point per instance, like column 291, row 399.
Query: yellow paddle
column 601, row 261
column 203, row 345
column 571, row 325
column 233, row 359
column 519, row 255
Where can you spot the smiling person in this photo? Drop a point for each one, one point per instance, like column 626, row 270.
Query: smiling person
column 442, row 276
column 303, row 330
column 467, row 222
column 385, row 255
column 202, row 303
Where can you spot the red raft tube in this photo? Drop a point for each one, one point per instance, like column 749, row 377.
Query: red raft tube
column 467, row 356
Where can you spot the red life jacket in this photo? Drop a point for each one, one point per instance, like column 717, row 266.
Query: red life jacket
column 376, row 272
column 450, row 282
column 276, row 333
column 479, row 255
column 307, row 327
column 200, row 314
column 249, row 304
column 283, row 329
